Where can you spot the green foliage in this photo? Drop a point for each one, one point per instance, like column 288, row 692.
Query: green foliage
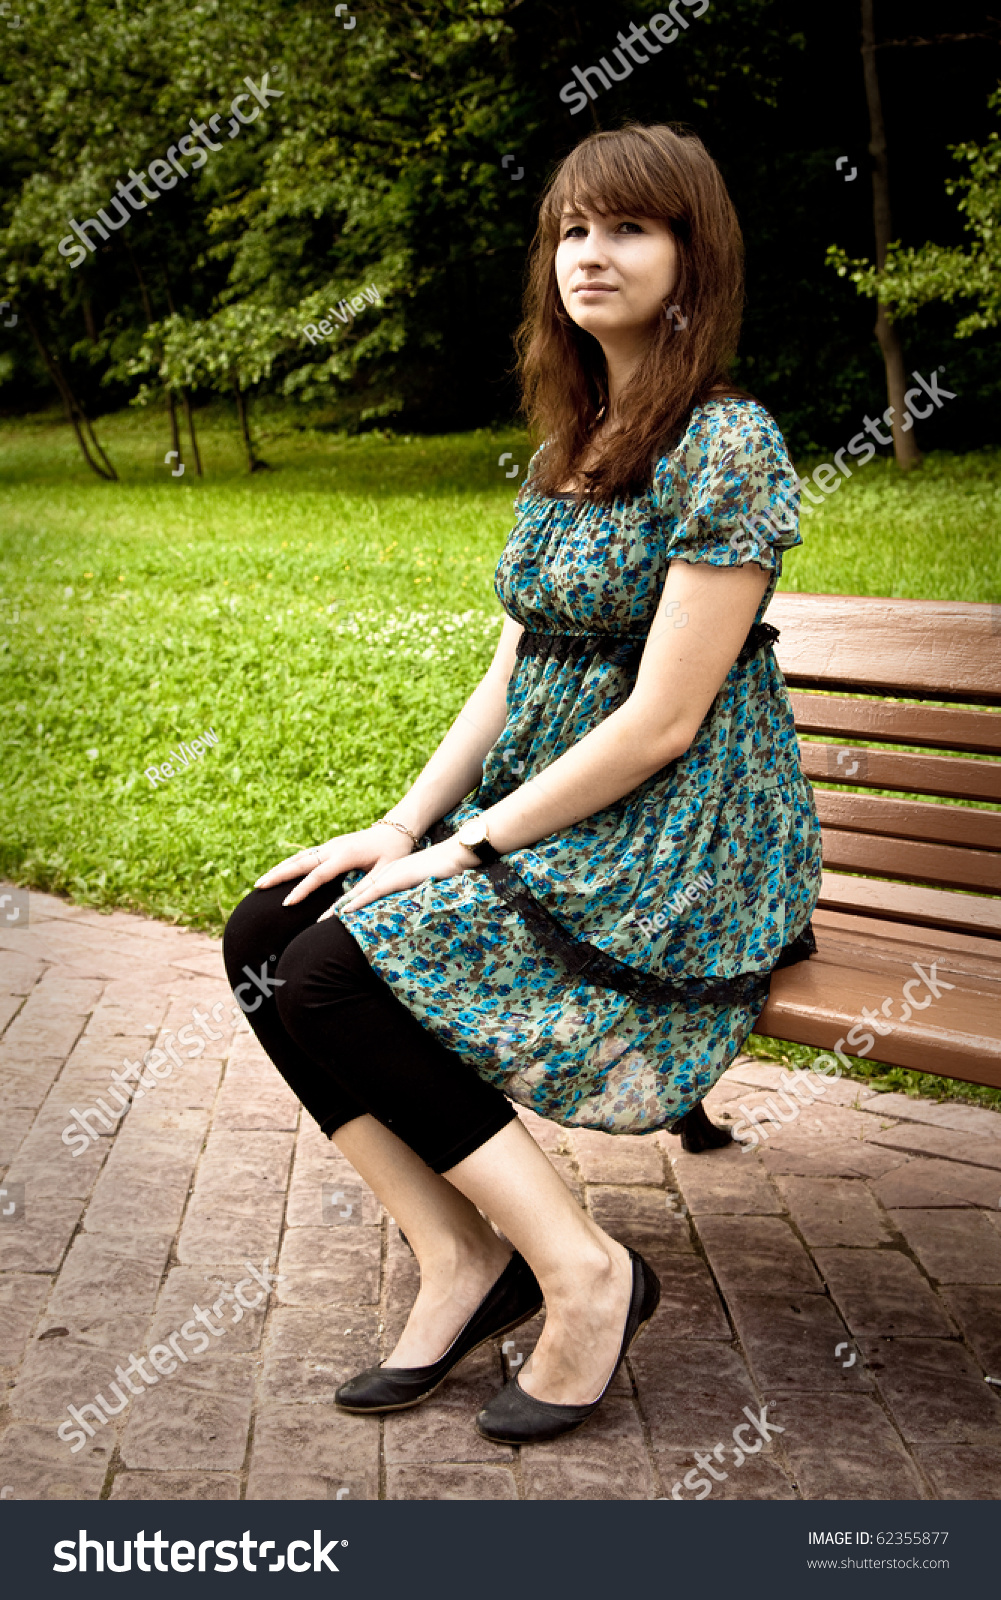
column 913, row 278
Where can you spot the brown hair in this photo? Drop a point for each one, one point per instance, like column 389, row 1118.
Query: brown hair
column 656, row 172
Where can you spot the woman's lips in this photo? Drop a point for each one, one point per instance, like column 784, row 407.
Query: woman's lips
column 595, row 288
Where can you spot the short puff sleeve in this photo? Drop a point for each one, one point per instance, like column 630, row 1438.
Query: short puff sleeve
column 728, row 492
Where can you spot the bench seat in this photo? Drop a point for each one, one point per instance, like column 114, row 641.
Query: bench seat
column 912, row 878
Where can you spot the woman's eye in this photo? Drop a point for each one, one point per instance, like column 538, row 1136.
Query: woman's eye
column 575, row 228
column 635, row 226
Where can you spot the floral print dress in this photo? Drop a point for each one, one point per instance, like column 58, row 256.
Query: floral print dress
column 606, row 976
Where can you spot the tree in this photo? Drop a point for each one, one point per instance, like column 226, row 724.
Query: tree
column 912, row 278
column 905, row 446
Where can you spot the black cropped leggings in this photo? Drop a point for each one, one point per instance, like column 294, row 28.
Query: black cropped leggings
column 340, row 1038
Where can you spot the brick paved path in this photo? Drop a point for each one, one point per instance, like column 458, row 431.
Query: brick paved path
column 847, row 1275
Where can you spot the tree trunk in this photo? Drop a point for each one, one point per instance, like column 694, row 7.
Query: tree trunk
column 254, row 463
column 186, row 402
column 905, row 445
column 75, row 413
column 185, row 397
column 175, row 437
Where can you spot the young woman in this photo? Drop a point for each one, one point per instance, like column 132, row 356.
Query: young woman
column 592, row 932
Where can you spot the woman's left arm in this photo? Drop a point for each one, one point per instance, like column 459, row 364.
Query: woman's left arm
column 703, row 618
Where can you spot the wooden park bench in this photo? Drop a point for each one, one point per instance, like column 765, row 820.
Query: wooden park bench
column 911, row 881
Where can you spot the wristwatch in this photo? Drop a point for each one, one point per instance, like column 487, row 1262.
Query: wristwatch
column 474, row 836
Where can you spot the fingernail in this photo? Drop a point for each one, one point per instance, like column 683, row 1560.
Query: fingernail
column 287, row 901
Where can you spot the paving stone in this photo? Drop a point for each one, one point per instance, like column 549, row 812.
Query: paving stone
column 195, row 1087
column 756, row 1254
column 953, row 1246
column 835, row 1211
column 245, row 1227
column 724, row 1181
column 330, row 1266
column 978, row 1313
column 26, row 1080
column 791, row 1341
column 63, row 1371
column 842, row 1447
column 198, row 1417
column 942, row 1114
column 244, row 1163
column 145, row 1181
column 962, row 1471
column 689, row 1307
column 637, row 1216
column 39, row 1466
column 444, row 1429
column 44, row 1033
column 304, row 1452
column 107, row 1288
column 249, row 1100
column 52, row 1168
column 305, row 1207
column 311, row 1351
column 924, row 1183
column 761, row 1476
column 881, row 1292
column 175, row 1486
column 936, row 1393
column 22, row 1299
column 14, row 1124
column 211, row 1289
column 606, row 1460
column 689, row 1390
column 617, row 1158
column 449, row 1481
column 39, row 1243
column 831, row 1158
column 973, row 1149
column 18, row 974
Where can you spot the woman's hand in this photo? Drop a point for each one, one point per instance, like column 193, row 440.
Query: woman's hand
column 387, row 877
column 368, row 849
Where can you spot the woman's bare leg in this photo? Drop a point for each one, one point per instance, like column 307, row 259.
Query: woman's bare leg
column 586, row 1277
column 459, row 1254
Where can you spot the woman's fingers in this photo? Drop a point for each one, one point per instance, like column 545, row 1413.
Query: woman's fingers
column 291, row 867
column 321, row 873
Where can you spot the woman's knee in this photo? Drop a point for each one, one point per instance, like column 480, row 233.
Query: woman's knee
column 250, row 929
column 321, row 966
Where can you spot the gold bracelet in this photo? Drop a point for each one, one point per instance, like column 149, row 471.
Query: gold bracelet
column 400, row 828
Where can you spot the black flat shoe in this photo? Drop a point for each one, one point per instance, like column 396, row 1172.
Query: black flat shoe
column 514, row 1417
column 514, row 1298
column 698, row 1133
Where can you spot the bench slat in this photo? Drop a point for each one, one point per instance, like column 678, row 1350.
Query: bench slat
column 909, row 819
column 951, row 776
column 818, row 1002
column 939, row 864
column 905, row 902
column 941, row 649
column 939, row 727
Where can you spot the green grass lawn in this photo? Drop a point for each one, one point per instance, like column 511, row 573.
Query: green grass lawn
column 326, row 620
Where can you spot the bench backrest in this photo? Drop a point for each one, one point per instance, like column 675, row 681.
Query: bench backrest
column 872, row 670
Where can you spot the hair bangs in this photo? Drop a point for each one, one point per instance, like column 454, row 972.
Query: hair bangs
column 611, row 174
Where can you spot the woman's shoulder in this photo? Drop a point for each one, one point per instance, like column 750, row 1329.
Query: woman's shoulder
column 731, row 431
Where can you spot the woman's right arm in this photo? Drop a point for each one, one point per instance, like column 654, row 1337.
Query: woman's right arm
column 452, row 772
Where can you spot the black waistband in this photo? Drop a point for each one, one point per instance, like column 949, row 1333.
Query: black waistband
column 619, row 650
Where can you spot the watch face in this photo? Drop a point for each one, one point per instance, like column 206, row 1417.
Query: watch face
column 473, row 833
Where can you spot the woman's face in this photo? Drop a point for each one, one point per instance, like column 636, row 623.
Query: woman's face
column 615, row 273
